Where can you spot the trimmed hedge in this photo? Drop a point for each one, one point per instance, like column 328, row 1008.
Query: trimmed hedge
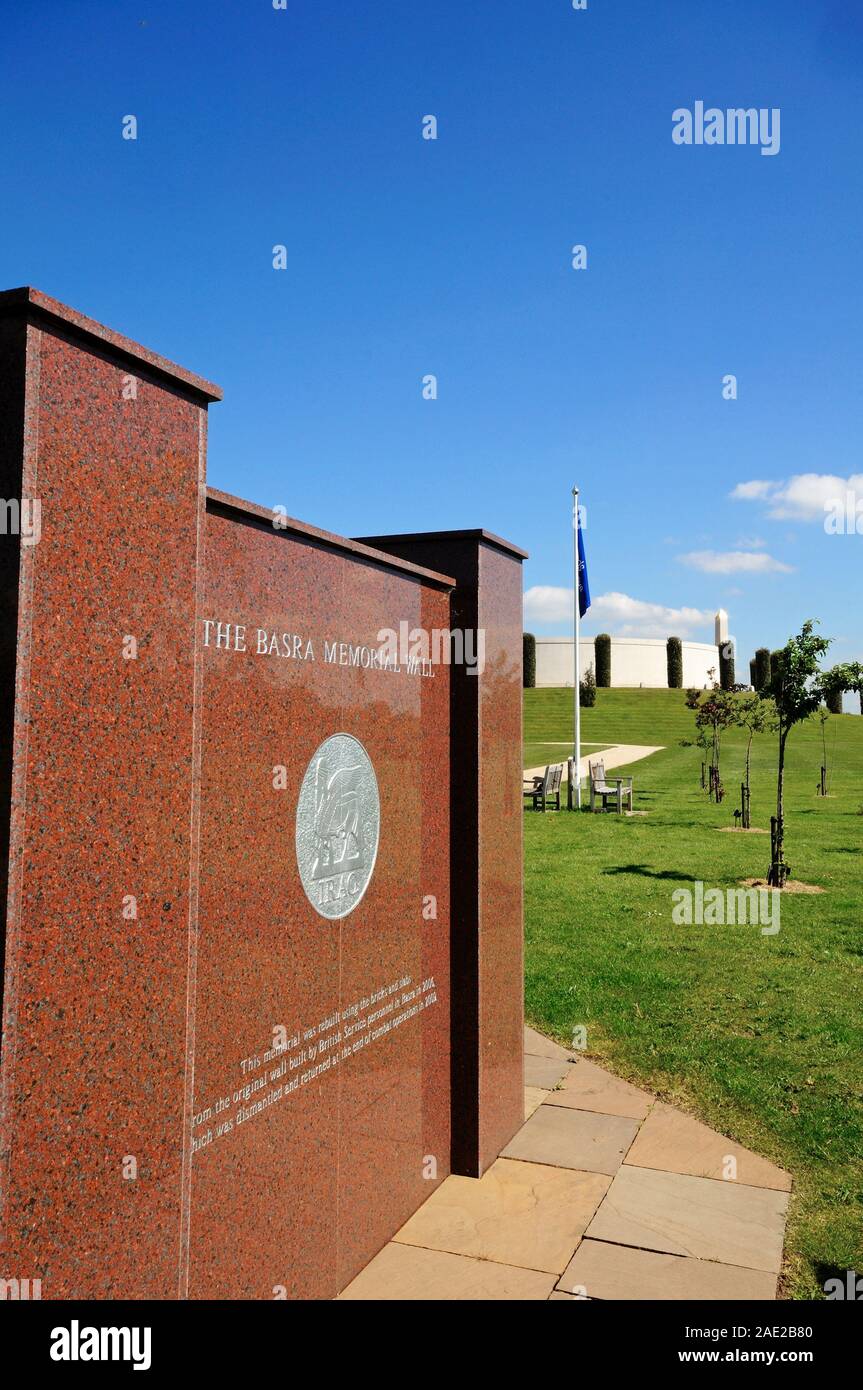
column 602, row 656
column 674, row 662
column 726, row 666
column 833, row 701
column 528, row 661
column 752, row 674
column 762, row 668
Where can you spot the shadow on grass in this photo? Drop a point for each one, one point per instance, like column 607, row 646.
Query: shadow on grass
column 823, row 1272
column 643, row 870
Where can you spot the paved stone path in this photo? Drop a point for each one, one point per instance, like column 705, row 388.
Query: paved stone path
column 618, row 755
column 604, row 1193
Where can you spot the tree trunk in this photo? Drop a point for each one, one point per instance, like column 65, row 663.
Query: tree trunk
column 746, row 807
column 779, row 869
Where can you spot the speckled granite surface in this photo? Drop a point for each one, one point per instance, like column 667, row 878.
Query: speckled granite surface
column 157, row 725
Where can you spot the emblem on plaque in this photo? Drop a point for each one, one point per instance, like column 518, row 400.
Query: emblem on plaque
column 338, row 824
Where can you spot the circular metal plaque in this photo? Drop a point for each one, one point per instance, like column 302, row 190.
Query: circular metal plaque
column 338, row 825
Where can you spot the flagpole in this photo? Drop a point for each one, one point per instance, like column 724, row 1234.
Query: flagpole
column 576, row 772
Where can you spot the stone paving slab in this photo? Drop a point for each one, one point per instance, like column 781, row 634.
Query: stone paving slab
column 589, row 1087
column 678, row 1143
column 523, row 1214
column 573, row 1139
column 643, row 1178
column 546, row 1072
column 682, row 1215
column 404, row 1273
column 620, row 1272
column 533, row 1099
column 535, row 1045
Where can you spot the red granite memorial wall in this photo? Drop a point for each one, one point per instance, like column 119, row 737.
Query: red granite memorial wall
column 263, row 973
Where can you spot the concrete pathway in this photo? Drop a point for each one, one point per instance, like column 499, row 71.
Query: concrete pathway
column 604, row 1193
column 617, row 755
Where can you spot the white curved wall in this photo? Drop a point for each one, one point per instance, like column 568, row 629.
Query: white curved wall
column 635, row 661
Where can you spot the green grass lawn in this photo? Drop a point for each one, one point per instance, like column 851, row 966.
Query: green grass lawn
column 761, row 1037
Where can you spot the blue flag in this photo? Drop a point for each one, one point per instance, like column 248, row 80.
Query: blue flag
column 583, row 584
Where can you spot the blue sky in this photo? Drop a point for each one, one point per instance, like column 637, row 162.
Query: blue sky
column 408, row 257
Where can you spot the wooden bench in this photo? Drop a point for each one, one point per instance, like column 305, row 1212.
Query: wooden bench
column 545, row 791
column 602, row 788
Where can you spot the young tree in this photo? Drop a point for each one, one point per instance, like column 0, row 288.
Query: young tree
column 847, row 676
column 692, row 700
column 824, row 719
column 704, row 742
column 852, row 676
column 714, row 712
column 797, row 688
column 758, row 716
column 587, row 689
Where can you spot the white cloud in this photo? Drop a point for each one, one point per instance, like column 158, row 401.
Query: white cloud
column 734, row 562
column 803, row 497
column 619, row 613
column 633, row 617
column 750, row 491
column 545, row 604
